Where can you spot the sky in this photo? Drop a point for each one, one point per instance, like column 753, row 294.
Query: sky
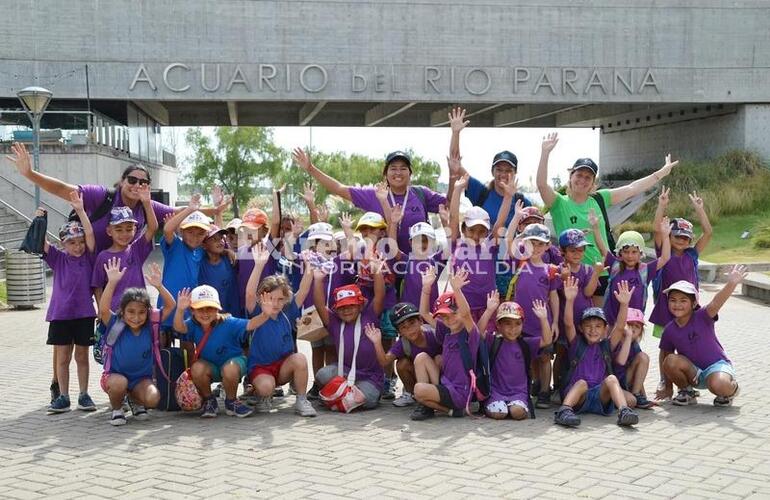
column 477, row 146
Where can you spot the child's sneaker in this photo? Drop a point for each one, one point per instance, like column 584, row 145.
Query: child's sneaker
column 722, row 401
column 303, row 408
column 118, row 417
column 566, row 416
column 627, row 417
column 278, row 392
column 233, row 407
column 85, row 402
column 389, row 389
column 210, row 408
column 422, row 412
column 263, row 405
column 405, row 399
column 685, row 397
column 543, row 400
column 60, row 405
column 456, row 413
column 642, row 402
column 55, row 391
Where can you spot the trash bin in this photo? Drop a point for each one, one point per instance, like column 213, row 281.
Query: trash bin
column 24, row 279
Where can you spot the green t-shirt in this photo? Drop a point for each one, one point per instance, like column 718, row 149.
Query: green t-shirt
column 567, row 214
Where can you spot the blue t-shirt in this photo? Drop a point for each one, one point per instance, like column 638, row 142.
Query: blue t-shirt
column 225, row 342
column 181, row 266
column 222, row 277
column 132, row 353
column 493, row 202
column 273, row 340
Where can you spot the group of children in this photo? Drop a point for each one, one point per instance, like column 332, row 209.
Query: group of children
column 237, row 295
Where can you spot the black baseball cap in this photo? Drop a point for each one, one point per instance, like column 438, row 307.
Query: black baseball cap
column 399, row 155
column 402, row 312
column 585, row 163
column 507, row 157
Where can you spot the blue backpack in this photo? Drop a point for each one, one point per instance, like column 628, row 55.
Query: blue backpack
column 479, row 370
column 657, row 282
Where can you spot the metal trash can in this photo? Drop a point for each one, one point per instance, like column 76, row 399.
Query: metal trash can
column 24, row 279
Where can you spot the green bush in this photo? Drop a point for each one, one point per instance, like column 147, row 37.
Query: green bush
column 761, row 235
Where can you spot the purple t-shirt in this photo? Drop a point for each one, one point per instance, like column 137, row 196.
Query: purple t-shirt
column 535, row 283
column 414, row 209
column 679, row 267
column 245, row 265
column 634, row 278
column 582, row 302
column 480, row 262
column 509, row 373
column 411, row 287
column 696, row 341
column 618, row 369
column 367, row 366
column 454, row 376
column 71, row 297
column 433, row 347
column 93, row 196
column 591, row 367
column 132, row 258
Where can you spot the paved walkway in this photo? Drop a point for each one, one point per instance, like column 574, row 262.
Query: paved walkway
column 694, row 452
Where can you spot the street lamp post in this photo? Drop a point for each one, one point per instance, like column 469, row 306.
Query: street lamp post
column 35, row 100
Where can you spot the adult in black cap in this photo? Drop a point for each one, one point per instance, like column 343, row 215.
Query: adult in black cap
column 583, row 198
column 504, row 167
column 417, row 201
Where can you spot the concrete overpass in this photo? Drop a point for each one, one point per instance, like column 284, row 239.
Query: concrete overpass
column 655, row 75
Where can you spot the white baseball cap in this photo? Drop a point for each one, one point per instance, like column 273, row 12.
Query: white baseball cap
column 476, row 216
column 422, row 229
column 196, row 219
column 683, row 286
column 234, row 224
column 339, row 235
column 204, row 296
column 320, row 231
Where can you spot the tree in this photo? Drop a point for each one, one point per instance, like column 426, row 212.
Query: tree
column 235, row 159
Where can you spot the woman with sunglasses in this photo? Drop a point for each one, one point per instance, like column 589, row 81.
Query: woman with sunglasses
column 126, row 193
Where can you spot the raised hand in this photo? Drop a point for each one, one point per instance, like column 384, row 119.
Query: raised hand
column 443, row 214
column 195, row 201
column 564, row 271
column 623, row 294
column 346, row 221
column 459, row 279
column 113, row 270
column 308, row 193
column 462, row 183
column 455, row 164
column 428, row 276
column 76, row 201
column 373, row 333
column 571, row 288
column 260, row 253
column 737, row 274
column 155, row 278
column 20, row 158
column 144, row 193
column 183, row 299
column 396, row 214
column 302, row 159
column 663, row 197
column 696, row 201
column 493, row 300
column 510, row 188
column 538, row 307
column 627, row 331
column 593, row 219
column 665, row 227
column 223, row 204
column 549, row 142
column 381, row 191
column 599, row 267
column 217, row 195
column 323, row 213
column 668, row 166
column 457, row 121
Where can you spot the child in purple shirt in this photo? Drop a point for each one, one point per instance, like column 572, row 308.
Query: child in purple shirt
column 71, row 312
column 629, row 362
column 693, row 355
column 509, row 380
column 591, row 385
column 131, row 251
column 446, row 388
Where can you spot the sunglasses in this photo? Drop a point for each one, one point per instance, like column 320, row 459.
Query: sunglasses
column 133, row 180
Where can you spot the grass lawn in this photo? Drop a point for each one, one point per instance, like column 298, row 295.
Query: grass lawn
column 3, row 293
column 727, row 245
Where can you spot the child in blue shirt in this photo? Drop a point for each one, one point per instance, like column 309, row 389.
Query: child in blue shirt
column 217, row 270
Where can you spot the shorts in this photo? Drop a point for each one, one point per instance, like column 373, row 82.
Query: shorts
column 71, row 331
column 602, row 286
column 501, row 406
column 272, row 369
column 216, row 371
column 720, row 366
column 388, row 329
column 326, row 341
column 445, row 398
column 131, row 382
column 593, row 403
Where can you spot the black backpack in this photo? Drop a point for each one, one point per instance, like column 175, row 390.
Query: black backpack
column 102, row 210
column 607, row 229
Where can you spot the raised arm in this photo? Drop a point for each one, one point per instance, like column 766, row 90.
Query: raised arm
column 593, row 282
column 454, row 208
column 381, row 192
column 457, row 123
column 734, row 278
column 376, row 267
column 539, row 310
column 76, row 200
column 261, row 255
column 625, row 347
column 493, row 301
column 665, row 248
column 623, row 295
column 505, row 207
column 375, row 337
column 319, row 299
column 428, row 278
column 553, row 300
column 660, row 212
column 705, row 223
column 155, row 278
column 308, row 194
column 570, row 293
column 182, row 304
column 275, row 214
column 458, row 280
column 546, row 191
column 114, row 274
column 23, row 163
column 346, row 221
column 598, row 233
column 169, row 229
column 330, row 184
column 149, row 213
column 621, row 194
column 304, row 285
column 510, row 233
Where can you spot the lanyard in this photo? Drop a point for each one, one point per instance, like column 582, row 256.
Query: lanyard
column 392, row 200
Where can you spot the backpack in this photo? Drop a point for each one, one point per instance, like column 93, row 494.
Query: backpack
column 105, row 342
column 657, row 282
column 580, row 352
column 496, row 344
column 479, row 372
column 553, row 272
column 100, row 211
column 607, row 230
column 615, row 271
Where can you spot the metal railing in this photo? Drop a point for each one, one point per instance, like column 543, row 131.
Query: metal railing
column 29, row 221
column 31, row 195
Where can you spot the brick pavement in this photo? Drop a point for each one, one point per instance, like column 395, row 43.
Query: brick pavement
column 694, row 452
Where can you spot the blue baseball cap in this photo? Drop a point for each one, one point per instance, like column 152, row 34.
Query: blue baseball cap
column 119, row 215
column 594, row 312
column 573, row 238
column 506, row 157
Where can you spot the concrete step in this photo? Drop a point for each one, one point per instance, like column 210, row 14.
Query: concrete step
column 8, row 235
column 6, row 223
column 757, row 286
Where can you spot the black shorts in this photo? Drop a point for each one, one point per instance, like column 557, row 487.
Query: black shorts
column 602, row 286
column 71, row 331
column 444, row 398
